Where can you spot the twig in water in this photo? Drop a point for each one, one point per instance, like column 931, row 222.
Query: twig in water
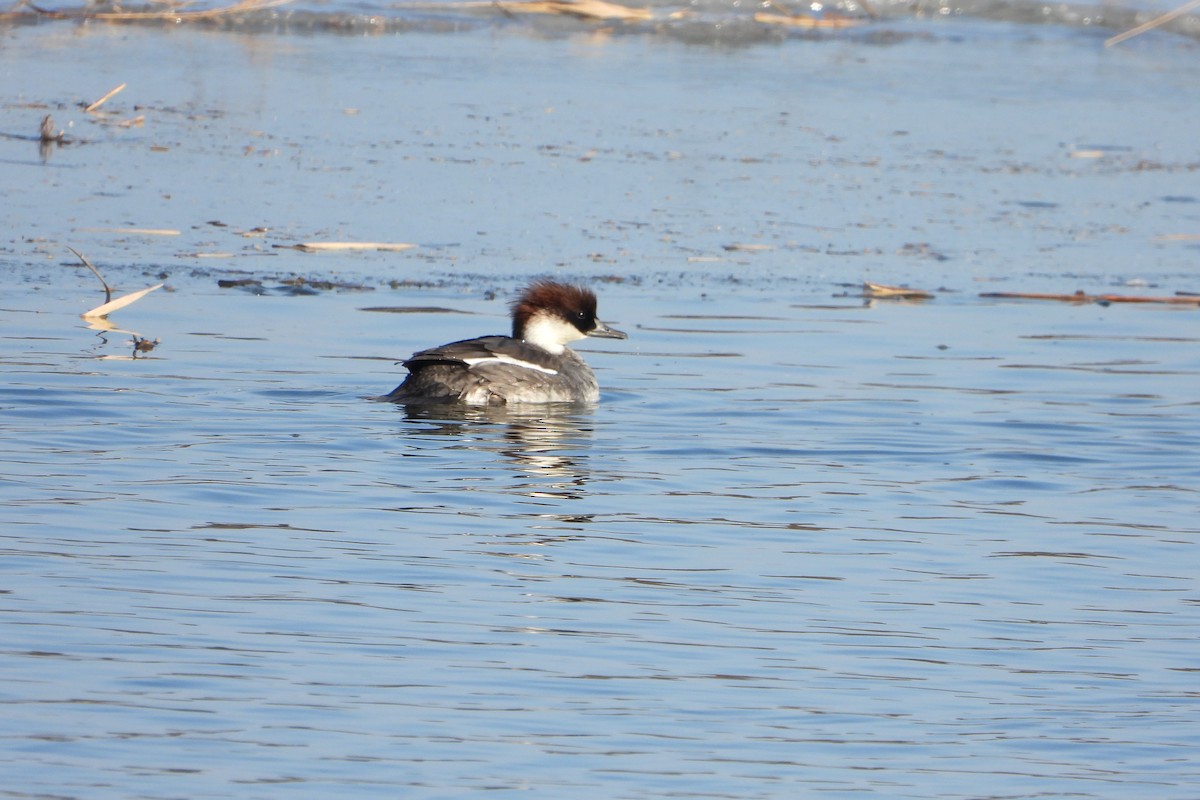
column 173, row 15
column 1154, row 23
column 584, row 9
column 326, row 247
column 103, row 100
column 96, row 272
column 136, row 231
column 120, row 302
column 109, row 304
column 879, row 291
column 599, row 10
column 802, row 21
column 1103, row 299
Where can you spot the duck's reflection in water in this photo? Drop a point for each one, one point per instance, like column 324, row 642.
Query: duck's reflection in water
column 546, row 444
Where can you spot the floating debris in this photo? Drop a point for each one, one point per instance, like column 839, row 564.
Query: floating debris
column 327, row 247
column 586, row 9
column 97, row 318
column 141, row 345
column 603, row 11
column 298, row 285
column 46, row 132
column 583, row 9
column 111, row 94
column 881, row 292
column 921, row 250
column 325, row 286
column 136, row 231
column 804, row 21
column 119, row 303
column 414, row 310
column 173, row 13
column 1179, row 298
column 1162, row 19
column 741, row 247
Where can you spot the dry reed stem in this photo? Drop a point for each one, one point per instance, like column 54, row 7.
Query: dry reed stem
column 242, row 6
column 606, row 11
column 137, row 231
column 1154, row 23
column 120, row 302
column 879, row 291
column 795, row 21
column 328, row 247
column 585, row 9
column 1080, row 297
column 746, row 247
column 96, row 272
column 104, row 99
column 110, row 305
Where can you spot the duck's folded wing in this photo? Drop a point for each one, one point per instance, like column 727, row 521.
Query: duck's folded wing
column 485, row 353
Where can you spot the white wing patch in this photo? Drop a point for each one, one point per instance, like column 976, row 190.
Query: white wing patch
column 516, row 362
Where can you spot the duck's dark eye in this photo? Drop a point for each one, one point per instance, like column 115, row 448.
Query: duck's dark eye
column 581, row 315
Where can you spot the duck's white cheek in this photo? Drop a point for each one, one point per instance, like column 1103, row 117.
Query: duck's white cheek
column 551, row 333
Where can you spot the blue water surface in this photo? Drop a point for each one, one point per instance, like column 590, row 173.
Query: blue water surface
column 807, row 545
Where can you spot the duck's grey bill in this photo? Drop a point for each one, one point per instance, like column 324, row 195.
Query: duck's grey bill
column 602, row 331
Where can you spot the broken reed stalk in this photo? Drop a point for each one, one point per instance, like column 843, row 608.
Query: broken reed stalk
column 109, row 305
column 96, row 272
column 1080, row 297
column 804, row 22
column 878, row 291
column 240, row 7
column 1154, row 23
column 600, row 10
column 329, row 247
column 104, row 99
column 136, row 231
column 585, row 9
